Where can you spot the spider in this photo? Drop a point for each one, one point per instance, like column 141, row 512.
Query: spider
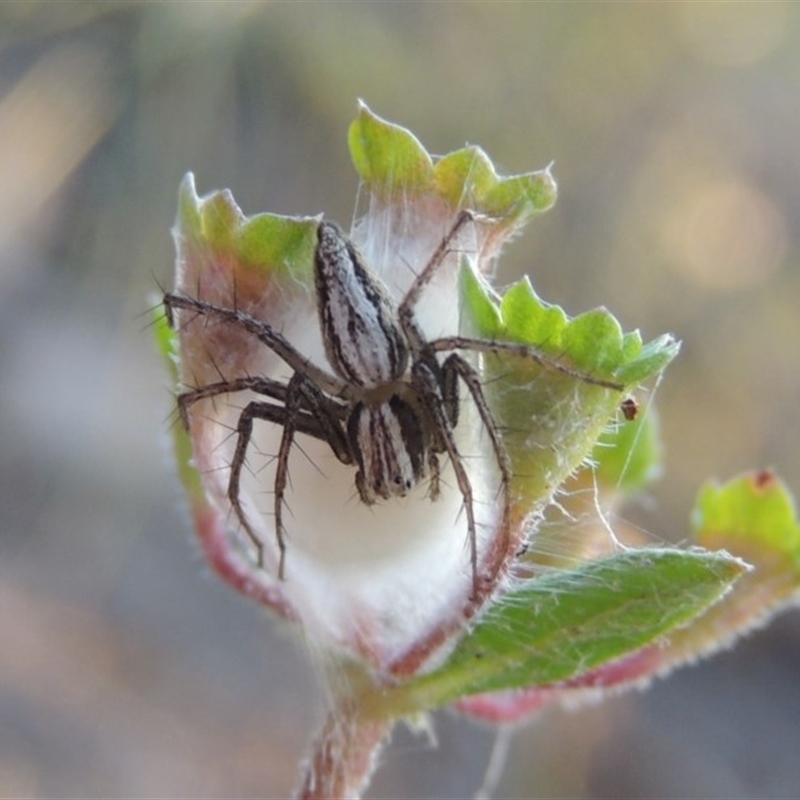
column 388, row 405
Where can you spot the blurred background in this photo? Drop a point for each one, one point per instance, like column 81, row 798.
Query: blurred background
column 125, row 669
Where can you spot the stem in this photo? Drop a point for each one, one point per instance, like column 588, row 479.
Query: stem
column 345, row 755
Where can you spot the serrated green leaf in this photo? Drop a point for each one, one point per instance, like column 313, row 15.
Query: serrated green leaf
column 631, row 345
column 528, row 319
column 566, row 623
column 465, row 176
column 388, row 157
column 651, row 360
column 594, row 341
column 213, row 234
column 550, row 420
column 522, row 196
column 390, row 160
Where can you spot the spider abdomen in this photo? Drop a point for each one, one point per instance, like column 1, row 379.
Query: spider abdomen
column 363, row 339
column 390, row 447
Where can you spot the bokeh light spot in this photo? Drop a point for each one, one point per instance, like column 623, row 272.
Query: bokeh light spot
column 726, row 235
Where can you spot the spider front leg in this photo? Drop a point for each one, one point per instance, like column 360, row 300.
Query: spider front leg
column 307, row 411
column 405, row 311
column 267, row 335
column 521, row 351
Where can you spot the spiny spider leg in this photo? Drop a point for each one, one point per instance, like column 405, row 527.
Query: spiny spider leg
column 309, row 421
column 371, row 409
column 244, row 429
column 266, row 335
column 306, row 411
column 425, row 383
column 405, row 310
column 459, row 367
column 419, row 343
column 282, row 471
column 449, row 389
column 521, row 350
column 302, row 391
column 269, row 388
column 433, row 465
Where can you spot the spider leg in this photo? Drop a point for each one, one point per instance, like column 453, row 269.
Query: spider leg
column 458, row 367
column 244, row 430
column 282, row 470
column 274, row 389
column 449, row 384
column 524, row 351
column 447, row 380
column 433, row 466
column 307, row 411
column 302, row 392
column 425, row 382
column 405, row 311
column 265, row 334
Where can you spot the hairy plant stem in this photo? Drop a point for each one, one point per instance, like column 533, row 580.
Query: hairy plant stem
column 345, row 755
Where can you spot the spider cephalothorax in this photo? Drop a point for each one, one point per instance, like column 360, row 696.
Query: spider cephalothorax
column 388, row 406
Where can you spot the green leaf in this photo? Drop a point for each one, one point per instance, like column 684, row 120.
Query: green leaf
column 628, row 456
column 593, row 341
column 753, row 517
column 522, row 196
column 551, row 420
column 167, row 344
column 465, row 176
column 270, row 244
column 166, row 338
column 651, row 360
column 392, row 162
column 484, row 315
column 753, row 514
column 567, row 623
column 528, row 319
column 279, row 244
column 388, row 157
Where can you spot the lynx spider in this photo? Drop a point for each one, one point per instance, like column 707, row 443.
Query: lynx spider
column 388, row 406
